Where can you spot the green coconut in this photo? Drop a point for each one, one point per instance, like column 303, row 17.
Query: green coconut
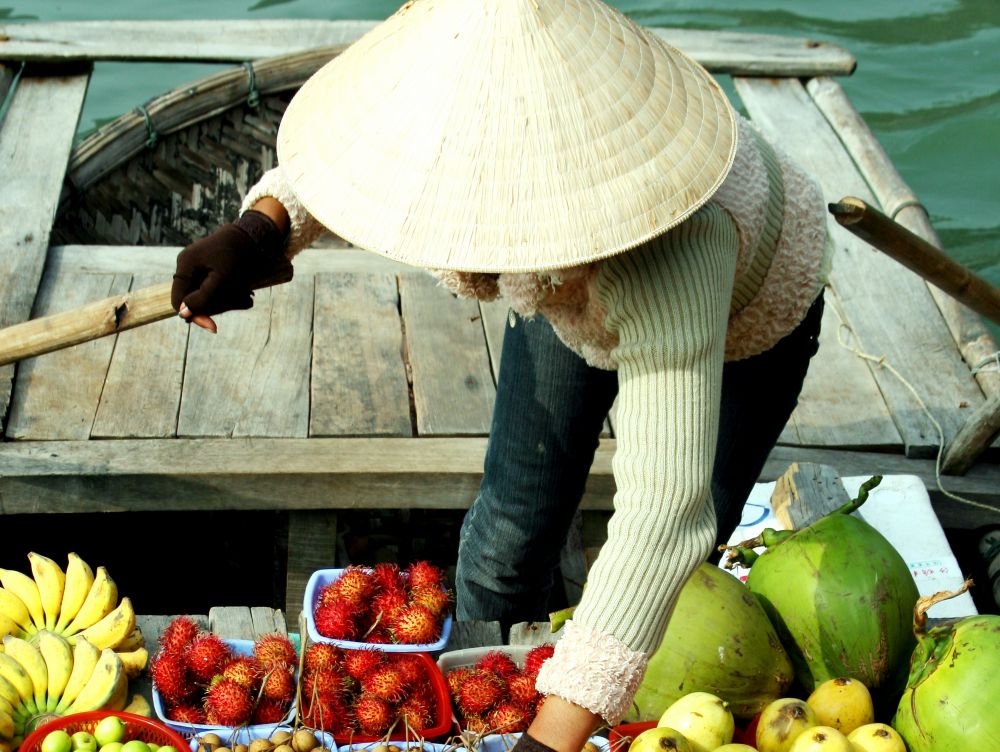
column 841, row 598
column 950, row 701
column 718, row 640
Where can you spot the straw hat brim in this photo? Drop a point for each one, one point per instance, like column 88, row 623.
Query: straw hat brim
column 506, row 135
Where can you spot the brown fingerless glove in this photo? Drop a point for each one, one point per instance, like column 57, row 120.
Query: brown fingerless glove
column 219, row 272
column 526, row 744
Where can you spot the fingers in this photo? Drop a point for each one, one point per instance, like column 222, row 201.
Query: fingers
column 205, row 322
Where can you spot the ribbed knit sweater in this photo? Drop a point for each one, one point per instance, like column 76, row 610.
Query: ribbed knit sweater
column 727, row 283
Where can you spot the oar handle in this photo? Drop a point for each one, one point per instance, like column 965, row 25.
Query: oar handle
column 916, row 254
column 94, row 320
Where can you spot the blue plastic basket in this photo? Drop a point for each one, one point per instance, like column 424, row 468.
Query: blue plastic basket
column 323, row 577
column 247, row 734
column 239, row 647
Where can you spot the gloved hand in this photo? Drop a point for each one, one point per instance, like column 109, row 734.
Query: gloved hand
column 526, row 744
column 219, row 272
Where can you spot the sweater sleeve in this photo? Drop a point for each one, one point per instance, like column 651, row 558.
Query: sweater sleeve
column 668, row 302
column 303, row 228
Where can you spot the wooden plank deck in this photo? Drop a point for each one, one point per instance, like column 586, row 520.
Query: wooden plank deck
column 362, row 384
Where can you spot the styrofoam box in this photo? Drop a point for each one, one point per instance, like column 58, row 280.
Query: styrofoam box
column 239, row 647
column 899, row 508
column 247, row 734
column 323, row 577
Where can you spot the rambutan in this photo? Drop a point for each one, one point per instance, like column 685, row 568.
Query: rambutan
column 374, row 715
column 321, row 655
column 455, row 677
column 178, row 634
column 424, row 574
column 228, row 703
column 336, row 620
column 186, row 712
column 415, row 625
column 536, row 657
column 498, row 662
column 327, row 594
column 507, row 718
column 386, row 605
column 245, row 670
column 378, row 637
column 269, row 711
column 522, row 690
column 323, row 712
column 275, row 650
column 411, row 668
column 386, row 576
column 326, row 681
column 417, row 712
column 278, row 684
column 170, row 677
column 476, row 724
column 354, row 586
column 357, row 663
column 206, row 656
column 434, row 599
column 479, row 692
column 384, row 681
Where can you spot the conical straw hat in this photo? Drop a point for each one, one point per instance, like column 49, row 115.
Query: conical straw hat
column 506, row 135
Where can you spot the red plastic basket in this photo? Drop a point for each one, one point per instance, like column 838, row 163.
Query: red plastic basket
column 136, row 727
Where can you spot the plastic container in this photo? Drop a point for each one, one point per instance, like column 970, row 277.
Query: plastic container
column 505, row 742
column 244, row 736
column 239, row 647
column 136, row 727
column 323, row 577
column 467, row 657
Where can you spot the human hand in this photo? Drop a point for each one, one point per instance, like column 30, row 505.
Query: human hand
column 560, row 726
column 219, row 272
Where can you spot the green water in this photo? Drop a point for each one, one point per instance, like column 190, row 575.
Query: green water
column 927, row 82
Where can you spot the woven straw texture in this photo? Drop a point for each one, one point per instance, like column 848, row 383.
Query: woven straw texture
column 506, row 135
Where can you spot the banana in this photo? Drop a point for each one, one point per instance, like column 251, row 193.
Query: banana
column 79, row 578
column 134, row 641
column 9, row 626
column 100, row 601
column 134, row 661
column 85, row 657
column 8, row 693
column 14, row 609
column 113, row 628
column 14, row 673
column 138, row 705
column 58, row 655
column 51, row 581
column 120, row 696
column 25, row 588
column 101, row 685
column 31, row 659
column 6, row 725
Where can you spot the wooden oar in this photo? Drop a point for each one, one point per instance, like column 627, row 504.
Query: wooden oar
column 916, row 254
column 95, row 320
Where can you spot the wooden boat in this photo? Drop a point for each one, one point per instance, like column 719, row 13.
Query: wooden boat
column 374, row 388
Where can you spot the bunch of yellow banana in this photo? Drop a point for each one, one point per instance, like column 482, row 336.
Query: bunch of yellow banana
column 49, row 677
column 77, row 603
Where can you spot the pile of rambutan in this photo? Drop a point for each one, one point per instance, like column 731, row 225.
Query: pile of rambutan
column 383, row 604
column 202, row 680
column 495, row 696
column 367, row 693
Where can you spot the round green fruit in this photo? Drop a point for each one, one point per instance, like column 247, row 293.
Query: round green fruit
column 167, row 748
column 136, row 745
column 112, row 747
column 110, row 729
column 84, row 741
column 57, row 741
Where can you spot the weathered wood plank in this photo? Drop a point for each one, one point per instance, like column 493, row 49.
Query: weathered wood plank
column 531, row 633
column 926, row 355
column 358, row 384
column 432, row 473
column 495, row 315
column 32, row 164
column 898, row 200
column 474, row 634
column 719, row 51
column 7, row 73
column 805, row 492
column 231, row 622
column 252, row 378
column 267, row 620
column 840, row 404
column 312, row 545
column 143, row 387
column 57, row 395
column 452, row 382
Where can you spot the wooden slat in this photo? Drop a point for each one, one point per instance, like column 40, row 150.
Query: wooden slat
column 720, row 51
column 452, row 382
column 231, row 622
column 358, row 382
column 312, row 545
column 840, row 404
column 57, row 395
column 267, row 620
column 806, row 492
column 143, row 388
column 531, row 633
column 32, row 164
column 970, row 333
column 880, row 297
column 252, row 378
column 495, row 315
column 198, row 474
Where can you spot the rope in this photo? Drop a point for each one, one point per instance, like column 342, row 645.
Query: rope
column 989, row 363
column 151, row 134
column 5, row 103
column 881, row 362
column 253, row 93
column 905, row 204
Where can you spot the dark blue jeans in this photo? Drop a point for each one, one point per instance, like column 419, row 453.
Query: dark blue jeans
column 547, row 420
